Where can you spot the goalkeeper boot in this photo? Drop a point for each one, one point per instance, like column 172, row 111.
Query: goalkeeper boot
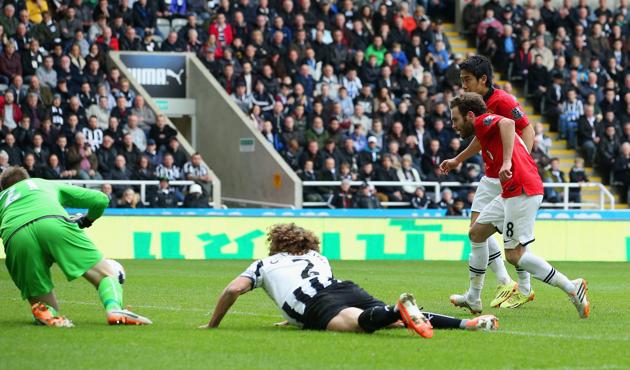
column 483, row 323
column 44, row 314
column 412, row 317
column 126, row 317
column 503, row 293
column 579, row 298
column 461, row 300
column 518, row 299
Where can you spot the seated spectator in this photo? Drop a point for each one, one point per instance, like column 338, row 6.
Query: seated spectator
column 120, row 111
column 10, row 112
column 179, row 155
column 544, row 142
column 195, row 198
column 572, row 109
column 106, row 154
column 607, row 151
column 129, row 199
column 577, row 175
column 4, row 161
column 447, row 199
column 554, row 175
column 343, row 197
column 407, row 173
column 39, row 151
column 621, row 172
column 130, row 151
column 138, row 135
column 46, row 73
column 432, row 157
column 196, row 171
column 387, row 173
column 83, row 160
column 30, row 165
column 457, row 208
column 107, row 190
column 365, row 198
column 93, row 134
column 588, row 135
column 419, row 200
column 12, row 150
column 101, row 112
column 120, row 172
column 165, row 196
column 310, row 193
column 162, row 132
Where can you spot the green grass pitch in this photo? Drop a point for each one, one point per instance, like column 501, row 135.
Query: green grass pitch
column 178, row 296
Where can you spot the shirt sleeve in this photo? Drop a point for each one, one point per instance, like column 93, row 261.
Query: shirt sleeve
column 486, row 124
column 516, row 113
column 253, row 274
column 78, row 197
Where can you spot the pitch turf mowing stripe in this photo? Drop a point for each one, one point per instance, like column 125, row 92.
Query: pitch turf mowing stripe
column 566, row 336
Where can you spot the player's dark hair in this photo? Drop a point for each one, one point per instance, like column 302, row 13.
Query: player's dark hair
column 292, row 239
column 478, row 66
column 469, row 102
column 12, row 176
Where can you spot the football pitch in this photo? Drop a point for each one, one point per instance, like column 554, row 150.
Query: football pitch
column 179, row 296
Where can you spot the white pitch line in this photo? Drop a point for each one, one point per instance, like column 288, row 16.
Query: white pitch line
column 566, row 336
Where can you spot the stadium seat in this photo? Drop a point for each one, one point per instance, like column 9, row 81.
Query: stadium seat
column 178, row 23
column 164, row 25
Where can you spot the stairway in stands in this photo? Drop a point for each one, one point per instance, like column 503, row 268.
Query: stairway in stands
column 566, row 156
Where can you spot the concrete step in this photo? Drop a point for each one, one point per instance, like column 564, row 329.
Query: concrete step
column 555, row 152
column 464, row 50
column 451, row 33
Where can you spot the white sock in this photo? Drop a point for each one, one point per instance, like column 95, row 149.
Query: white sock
column 495, row 261
column 524, row 281
column 477, row 263
column 544, row 272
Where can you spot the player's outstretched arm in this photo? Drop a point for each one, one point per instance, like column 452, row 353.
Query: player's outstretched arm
column 528, row 136
column 450, row 164
column 77, row 197
column 506, row 127
column 238, row 286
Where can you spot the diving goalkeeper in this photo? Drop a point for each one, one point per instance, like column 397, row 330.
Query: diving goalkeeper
column 36, row 232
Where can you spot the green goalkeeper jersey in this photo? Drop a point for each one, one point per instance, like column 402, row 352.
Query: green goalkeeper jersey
column 31, row 199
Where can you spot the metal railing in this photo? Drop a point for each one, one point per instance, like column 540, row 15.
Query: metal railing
column 605, row 196
column 142, row 184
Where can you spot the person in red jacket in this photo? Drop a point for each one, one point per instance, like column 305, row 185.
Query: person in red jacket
column 10, row 112
column 222, row 31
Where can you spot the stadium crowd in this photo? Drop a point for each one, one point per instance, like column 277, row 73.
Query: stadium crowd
column 344, row 90
column 65, row 115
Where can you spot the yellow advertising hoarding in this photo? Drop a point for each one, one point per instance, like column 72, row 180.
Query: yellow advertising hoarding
column 146, row 237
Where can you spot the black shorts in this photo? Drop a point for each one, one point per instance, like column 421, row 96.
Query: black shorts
column 327, row 304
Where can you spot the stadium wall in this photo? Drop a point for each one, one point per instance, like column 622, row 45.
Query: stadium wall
column 347, row 235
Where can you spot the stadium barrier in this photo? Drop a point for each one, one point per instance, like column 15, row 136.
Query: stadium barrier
column 605, row 196
column 346, row 234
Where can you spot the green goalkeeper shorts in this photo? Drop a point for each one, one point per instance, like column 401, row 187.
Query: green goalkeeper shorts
column 33, row 249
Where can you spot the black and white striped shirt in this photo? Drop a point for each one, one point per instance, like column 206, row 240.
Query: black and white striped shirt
column 291, row 281
column 173, row 173
column 190, row 169
column 93, row 137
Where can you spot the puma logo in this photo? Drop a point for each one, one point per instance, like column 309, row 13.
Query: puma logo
column 176, row 76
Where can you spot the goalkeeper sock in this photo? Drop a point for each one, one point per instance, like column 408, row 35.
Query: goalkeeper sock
column 376, row 318
column 477, row 263
column 544, row 272
column 443, row 322
column 111, row 293
column 495, row 262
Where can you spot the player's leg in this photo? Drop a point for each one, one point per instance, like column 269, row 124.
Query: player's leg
column 488, row 190
column 479, row 232
column 29, row 268
column 518, row 233
column 77, row 256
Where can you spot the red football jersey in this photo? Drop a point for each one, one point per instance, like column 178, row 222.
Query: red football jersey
column 504, row 104
column 525, row 178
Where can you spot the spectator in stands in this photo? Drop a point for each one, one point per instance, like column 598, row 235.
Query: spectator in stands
column 179, row 155
column 607, row 151
column 419, row 200
column 165, row 196
column 310, row 193
column 343, row 197
column 572, row 109
column 129, row 199
column 107, row 190
column 195, row 198
column 10, row 112
column 162, row 132
column 130, row 151
column 588, row 134
column 543, row 141
column 621, row 171
column 407, row 173
column 138, row 135
column 93, row 134
column 146, row 117
column 120, row 172
column 387, row 172
column 447, row 199
column 101, row 112
column 365, row 198
column 554, row 175
column 196, row 171
column 83, row 160
column 577, row 175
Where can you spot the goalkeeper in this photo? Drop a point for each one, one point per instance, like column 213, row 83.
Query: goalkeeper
column 36, row 232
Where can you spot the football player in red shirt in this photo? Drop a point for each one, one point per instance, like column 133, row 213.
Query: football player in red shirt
column 476, row 76
column 513, row 212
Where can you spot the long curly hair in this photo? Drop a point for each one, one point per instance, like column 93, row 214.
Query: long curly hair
column 292, row 239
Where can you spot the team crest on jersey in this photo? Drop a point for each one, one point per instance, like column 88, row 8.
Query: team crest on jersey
column 517, row 113
column 488, row 120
